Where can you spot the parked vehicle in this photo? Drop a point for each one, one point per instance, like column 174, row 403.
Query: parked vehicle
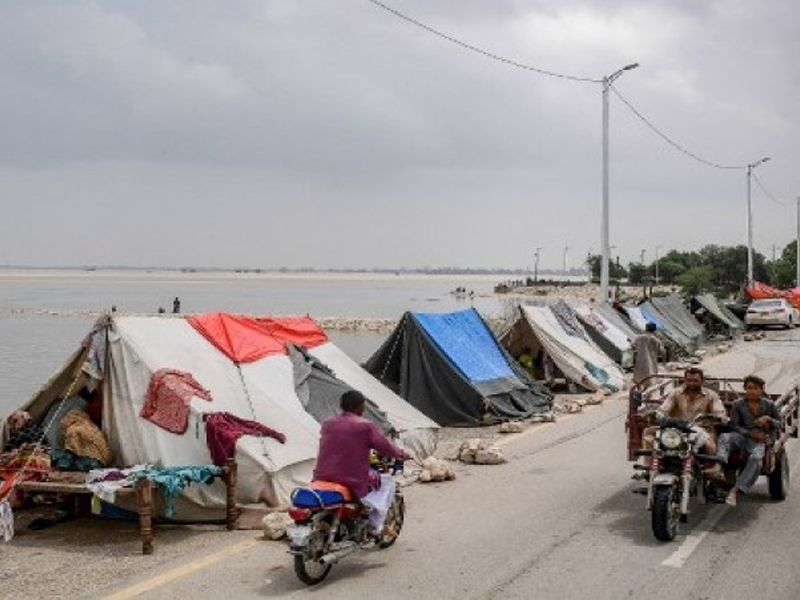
column 328, row 527
column 772, row 311
column 675, row 474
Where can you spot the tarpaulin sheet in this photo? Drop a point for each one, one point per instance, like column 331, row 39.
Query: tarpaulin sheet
column 301, row 331
column 239, row 338
column 464, row 338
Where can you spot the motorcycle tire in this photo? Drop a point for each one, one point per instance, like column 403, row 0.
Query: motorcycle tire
column 779, row 478
column 394, row 522
column 307, row 566
column 665, row 513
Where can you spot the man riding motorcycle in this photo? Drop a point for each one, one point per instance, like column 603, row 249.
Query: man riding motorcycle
column 687, row 402
column 344, row 456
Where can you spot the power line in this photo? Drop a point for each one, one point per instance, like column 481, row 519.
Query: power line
column 669, row 140
column 485, row 53
column 766, row 192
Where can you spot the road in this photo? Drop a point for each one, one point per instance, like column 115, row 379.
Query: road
column 557, row 521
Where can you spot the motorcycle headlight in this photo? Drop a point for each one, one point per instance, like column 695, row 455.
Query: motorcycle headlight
column 671, row 439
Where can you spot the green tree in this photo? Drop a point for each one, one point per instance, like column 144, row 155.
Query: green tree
column 784, row 269
column 696, row 280
column 638, row 274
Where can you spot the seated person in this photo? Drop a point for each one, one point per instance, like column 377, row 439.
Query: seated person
column 59, row 408
column 23, row 430
column 344, row 453
column 85, row 446
column 753, row 419
column 687, row 402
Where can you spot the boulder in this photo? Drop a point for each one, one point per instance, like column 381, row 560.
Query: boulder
column 478, row 451
column 511, row 427
column 275, row 524
column 436, row 469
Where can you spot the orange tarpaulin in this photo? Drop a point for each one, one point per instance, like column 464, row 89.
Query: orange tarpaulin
column 246, row 339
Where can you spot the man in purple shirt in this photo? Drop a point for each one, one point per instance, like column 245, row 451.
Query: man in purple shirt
column 344, row 445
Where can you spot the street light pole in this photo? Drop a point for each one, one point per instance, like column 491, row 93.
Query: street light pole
column 604, row 238
column 657, row 249
column 641, row 256
column 750, row 168
column 536, row 267
column 566, row 261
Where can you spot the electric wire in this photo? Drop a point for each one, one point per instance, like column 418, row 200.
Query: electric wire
column 481, row 51
column 669, row 140
column 766, row 191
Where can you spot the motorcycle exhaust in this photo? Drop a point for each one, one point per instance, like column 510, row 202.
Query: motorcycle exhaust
column 337, row 555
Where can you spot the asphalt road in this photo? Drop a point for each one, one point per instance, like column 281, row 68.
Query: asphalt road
column 557, row 521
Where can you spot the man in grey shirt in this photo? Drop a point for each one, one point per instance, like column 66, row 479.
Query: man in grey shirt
column 647, row 350
column 753, row 418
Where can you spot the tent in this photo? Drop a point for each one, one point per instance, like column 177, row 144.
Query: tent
column 451, row 368
column 578, row 359
column 618, row 319
column 675, row 321
column 716, row 314
column 251, row 368
column 606, row 335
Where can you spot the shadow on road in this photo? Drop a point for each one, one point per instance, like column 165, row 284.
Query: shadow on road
column 286, row 583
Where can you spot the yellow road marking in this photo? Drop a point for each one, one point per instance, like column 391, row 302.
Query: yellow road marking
column 181, row 571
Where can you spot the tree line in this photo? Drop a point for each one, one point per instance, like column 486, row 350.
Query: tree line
column 721, row 270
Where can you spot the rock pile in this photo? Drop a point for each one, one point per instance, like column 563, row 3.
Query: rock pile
column 511, row 427
column 480, row 452
column 274, row 525
column 436, row 469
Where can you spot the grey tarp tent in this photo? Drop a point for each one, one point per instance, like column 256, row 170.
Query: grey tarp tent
column 718, row 317
column 452, row 369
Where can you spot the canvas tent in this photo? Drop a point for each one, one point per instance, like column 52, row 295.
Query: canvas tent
column 451, row 368
column 676, row 342
column 606, row 335
column 716, row 314
column 676, row 311
column 578, row 359
column 247, row 366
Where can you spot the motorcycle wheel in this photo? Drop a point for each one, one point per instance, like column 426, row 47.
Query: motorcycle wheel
column 666, row 513
column 394, row 522
column 779, row 478
column 307, row 566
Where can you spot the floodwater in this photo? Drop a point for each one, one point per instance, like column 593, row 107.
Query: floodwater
column 44, row 314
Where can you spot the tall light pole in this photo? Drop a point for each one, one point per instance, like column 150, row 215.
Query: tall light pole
column 750, row 168
column 641, row 256
column 659, row 248
column 604, row 241
column 536, row 266
column 566, row 259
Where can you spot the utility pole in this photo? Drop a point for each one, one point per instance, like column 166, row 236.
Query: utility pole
column 536, row 266
column 797, row 247
column 750, row 168
column 566, row 260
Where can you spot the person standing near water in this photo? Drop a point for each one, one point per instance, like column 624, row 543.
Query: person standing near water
column 176, row 305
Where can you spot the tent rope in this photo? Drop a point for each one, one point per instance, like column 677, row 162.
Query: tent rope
column 400, row 334
column 250, row 403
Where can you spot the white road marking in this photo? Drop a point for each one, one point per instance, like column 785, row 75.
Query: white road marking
column 692, row 541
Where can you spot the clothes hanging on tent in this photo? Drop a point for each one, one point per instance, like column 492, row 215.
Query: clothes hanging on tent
column 172, row 480
column 224, row 429
column 168, row 396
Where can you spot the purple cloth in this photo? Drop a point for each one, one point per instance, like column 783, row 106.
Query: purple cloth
column 223, row 429
column 345, row 442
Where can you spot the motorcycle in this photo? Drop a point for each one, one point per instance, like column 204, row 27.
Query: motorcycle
column 328, row 527
column 676, row 473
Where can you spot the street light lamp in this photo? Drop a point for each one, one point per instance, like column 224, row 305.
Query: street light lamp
column 607, row 81
column 750, row 168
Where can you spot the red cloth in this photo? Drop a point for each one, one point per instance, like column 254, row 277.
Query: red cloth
column 344, row 445
column 224, row 429
column 302, row 331
column 166, row 403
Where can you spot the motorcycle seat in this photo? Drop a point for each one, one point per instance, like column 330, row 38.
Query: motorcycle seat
column 321, row 494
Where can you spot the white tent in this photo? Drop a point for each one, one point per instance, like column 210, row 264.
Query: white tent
column 262, row 390
column 576, row 357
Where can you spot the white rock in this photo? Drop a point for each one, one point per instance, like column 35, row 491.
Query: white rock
column 511, row 427
column 491, row 455
column 275, row 524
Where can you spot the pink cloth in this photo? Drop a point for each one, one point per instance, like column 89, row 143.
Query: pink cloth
column 345, row 442
column 223, row 429
column 166, row 403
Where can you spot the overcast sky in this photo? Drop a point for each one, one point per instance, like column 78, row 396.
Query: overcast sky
column 265, row 133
